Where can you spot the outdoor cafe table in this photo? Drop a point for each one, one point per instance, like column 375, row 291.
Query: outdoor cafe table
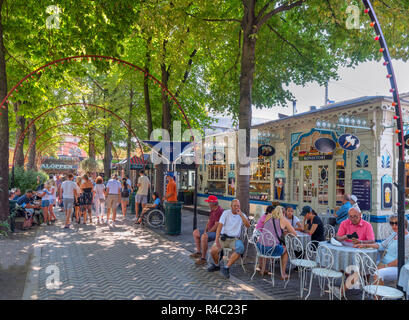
column 344, row 256
column 404, row 278
column 304, row 238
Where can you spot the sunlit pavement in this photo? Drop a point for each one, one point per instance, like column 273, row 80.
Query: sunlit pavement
column 121, row 262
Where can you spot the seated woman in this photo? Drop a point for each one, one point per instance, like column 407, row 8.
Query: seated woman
column 295, row 222
column 387, row 267
column 149, row 206
column 274, row 221
column 313, row 224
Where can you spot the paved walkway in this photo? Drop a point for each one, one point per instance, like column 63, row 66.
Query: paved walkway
column 124, row 262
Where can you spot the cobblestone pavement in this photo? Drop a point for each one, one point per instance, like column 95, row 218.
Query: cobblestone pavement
column 122, row 262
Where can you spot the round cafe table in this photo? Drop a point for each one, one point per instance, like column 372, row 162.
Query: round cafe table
column 304, row 238
column 404, row 278
column 345, row 256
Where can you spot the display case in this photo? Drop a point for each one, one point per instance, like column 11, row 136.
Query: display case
column 260, row 191
column 216, row 187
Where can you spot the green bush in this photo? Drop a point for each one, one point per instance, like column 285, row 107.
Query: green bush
column 27, row 179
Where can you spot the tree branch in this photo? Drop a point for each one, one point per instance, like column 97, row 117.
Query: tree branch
column 284, row 7
column 237, row 57
column 332, row 12
column 214, row 20
column 260, row 14
column 186, row 75
column 285, row 40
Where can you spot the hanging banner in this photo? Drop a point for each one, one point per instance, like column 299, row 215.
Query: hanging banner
column 349, row 142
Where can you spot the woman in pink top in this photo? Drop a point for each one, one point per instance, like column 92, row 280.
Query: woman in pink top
column 274, row 221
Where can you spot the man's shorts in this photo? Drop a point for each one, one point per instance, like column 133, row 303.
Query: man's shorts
column 210, row 235
column 232, row 243
column 112, row 201
column 141, row 198
column 68, row 203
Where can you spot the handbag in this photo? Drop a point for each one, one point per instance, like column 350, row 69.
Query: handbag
column 280, row 239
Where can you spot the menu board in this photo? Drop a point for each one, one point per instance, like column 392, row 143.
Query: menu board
column 361, row 188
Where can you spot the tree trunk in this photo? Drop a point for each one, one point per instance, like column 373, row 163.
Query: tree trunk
column 146, row 89
column 245, row 112
column 4, row 131
column 166, row 116
column 31, row 164
column 108, row 153
column 91, row 151
column 159, row 179
column 20, row 125
column 129, row 142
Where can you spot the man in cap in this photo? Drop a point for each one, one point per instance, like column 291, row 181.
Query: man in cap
column 202, row 237
column 354, row 202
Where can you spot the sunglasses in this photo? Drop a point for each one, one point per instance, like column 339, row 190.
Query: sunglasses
column 393, row 223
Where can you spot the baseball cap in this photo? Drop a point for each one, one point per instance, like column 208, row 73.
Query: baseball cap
column 354, row 198
column 212, row 199
column 305, row 210
column 170, row 174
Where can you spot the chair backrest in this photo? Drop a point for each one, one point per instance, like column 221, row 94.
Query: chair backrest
column 366, row 215
column 325, row 258
column 250, row 230
column 329, row 232
column 366, row 268
column 385, row 230
column 311, row 250
column 261, row 237
column 293, row 244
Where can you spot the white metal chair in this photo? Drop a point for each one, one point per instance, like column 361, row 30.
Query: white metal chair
column 293, row 245
column 266, row 237
column 329, row 232
column 325, row 261
column 366, row 215
column 370, row 284
column 249, row 237
column 228, row 251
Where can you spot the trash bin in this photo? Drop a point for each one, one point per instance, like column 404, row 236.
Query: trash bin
column 132, row 202
column 173, row 217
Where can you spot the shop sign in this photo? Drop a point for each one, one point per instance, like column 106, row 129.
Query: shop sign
column 316, row 157
column 325, row 145
column 56, row 166
column 266, row 150
column 386, row 183
column 348, row 142
column 361, row 188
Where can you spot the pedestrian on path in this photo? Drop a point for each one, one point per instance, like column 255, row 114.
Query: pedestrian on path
column 113, row 191
column 171, row 189
column 69, row 193
column 53, row 200
column 46, row 196
column 78, row 201
column 142, row 193
column 203, row 237
column 125, row 191
column 99, row 198
column 87, row 188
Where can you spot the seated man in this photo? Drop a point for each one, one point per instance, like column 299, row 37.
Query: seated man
column 26, row 202
column 155, row 205
column 202, row 237
column 17, row 194
column 355, row 230
column 342, row 213
column 227, row 234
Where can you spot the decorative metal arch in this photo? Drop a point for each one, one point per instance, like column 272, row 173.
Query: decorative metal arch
column 399, row 121
column 65, row 124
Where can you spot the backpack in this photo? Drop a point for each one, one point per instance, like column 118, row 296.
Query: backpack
column 125, row 193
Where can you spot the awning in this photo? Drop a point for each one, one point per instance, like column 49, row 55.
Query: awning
column 135, row 162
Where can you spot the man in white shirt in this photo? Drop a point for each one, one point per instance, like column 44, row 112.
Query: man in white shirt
column 69, row 192
column 142, row 193
column 113, row 197
column 354, row 202
column 227, row 236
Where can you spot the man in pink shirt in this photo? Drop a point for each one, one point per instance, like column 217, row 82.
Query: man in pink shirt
column 354, row 229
